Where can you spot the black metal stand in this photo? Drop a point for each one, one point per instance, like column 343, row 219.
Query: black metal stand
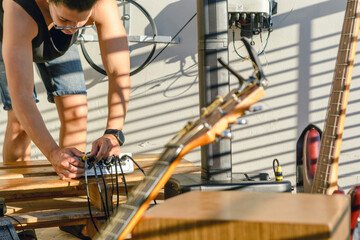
column 213, row 80
column 216, row 164
column 255, row 182
column 7, row 230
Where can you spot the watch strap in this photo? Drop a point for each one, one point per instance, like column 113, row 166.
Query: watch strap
column 117, row 133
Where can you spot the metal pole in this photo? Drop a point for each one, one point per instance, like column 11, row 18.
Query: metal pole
column 212, row 19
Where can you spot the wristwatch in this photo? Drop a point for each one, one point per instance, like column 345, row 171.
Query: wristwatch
column 117, row 133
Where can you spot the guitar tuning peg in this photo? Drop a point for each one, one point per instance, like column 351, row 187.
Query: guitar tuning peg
column 241, row 121
column 226, row 135
column 255, row 109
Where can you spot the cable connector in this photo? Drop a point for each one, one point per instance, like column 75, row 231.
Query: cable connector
column 277, row 171
column 90, row 161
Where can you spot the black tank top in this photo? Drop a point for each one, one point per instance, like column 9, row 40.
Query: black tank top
column 47, row 45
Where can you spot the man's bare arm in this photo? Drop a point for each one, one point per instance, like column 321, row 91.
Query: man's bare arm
column 115, row 56
column 20, row 29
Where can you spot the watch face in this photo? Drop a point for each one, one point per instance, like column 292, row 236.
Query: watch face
column 118, row 134
column 121, row 137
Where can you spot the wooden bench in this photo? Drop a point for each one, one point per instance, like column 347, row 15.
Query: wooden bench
column 37, row 198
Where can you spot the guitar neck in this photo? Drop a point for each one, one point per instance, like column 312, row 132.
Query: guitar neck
column 128, row 213
column 325, row 180
column 212, row 122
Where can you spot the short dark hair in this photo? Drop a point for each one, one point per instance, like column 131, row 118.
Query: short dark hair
column 79, row 5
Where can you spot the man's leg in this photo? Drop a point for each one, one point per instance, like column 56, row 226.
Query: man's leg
column 65, row 85
column 16, row 145
column 72, row 111
column 16, row 142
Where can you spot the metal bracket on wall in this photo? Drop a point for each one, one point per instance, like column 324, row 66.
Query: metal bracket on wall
column 143, row 38
column 132, row 38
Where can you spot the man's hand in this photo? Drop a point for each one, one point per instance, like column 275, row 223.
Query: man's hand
column 66, row 164
column 105, row 146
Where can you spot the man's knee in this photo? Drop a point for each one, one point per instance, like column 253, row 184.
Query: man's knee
column 16, row 145
column 13, row 123
column 79, row 112
column 75, row 114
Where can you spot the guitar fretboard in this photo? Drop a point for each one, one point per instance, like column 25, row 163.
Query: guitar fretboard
column 326, row 171
column 138, row 196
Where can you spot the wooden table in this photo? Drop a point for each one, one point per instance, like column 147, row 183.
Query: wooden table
column 247, row 215
column 37, row 197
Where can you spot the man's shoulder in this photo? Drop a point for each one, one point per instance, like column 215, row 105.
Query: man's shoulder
column 17, row 20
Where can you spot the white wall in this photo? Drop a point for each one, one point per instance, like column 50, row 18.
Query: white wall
column 299, row 62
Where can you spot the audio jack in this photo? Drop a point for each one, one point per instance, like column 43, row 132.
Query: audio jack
column 277, row 171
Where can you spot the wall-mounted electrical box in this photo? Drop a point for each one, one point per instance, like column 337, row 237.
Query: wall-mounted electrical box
column 248, row 6
column 251, row 16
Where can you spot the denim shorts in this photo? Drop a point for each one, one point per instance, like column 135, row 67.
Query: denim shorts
column 61, row 76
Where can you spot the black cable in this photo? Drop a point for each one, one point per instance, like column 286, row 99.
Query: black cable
column 262, row 51
column 143, row 65
column 123, row 175
column 106, row 195
column 112, row 188
column 267, row 40
column 117, row 183
column 22, row 227
column 142, row 170
column 100, row 192
column 88, row 197
column 235, row 47
column 127, row 156
column 172, row 39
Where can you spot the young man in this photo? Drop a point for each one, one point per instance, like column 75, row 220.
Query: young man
column 43, row 31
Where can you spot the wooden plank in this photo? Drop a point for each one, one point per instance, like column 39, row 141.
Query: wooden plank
column 53, row 182
column 151, row 157
column 37, row 219
column 44, row 192
column 21, row 207
column 247, row 215
column 49, row 224
column 27, row 172
column 97, row 199
column 54, row 212
column 36, row 197
column 25, row 164
column 44, row 168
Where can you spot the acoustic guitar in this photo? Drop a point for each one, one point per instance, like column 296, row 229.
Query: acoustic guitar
column 213, row 121
column 320, row 160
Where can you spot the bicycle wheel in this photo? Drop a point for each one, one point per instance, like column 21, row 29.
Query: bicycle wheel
column 96, row 64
